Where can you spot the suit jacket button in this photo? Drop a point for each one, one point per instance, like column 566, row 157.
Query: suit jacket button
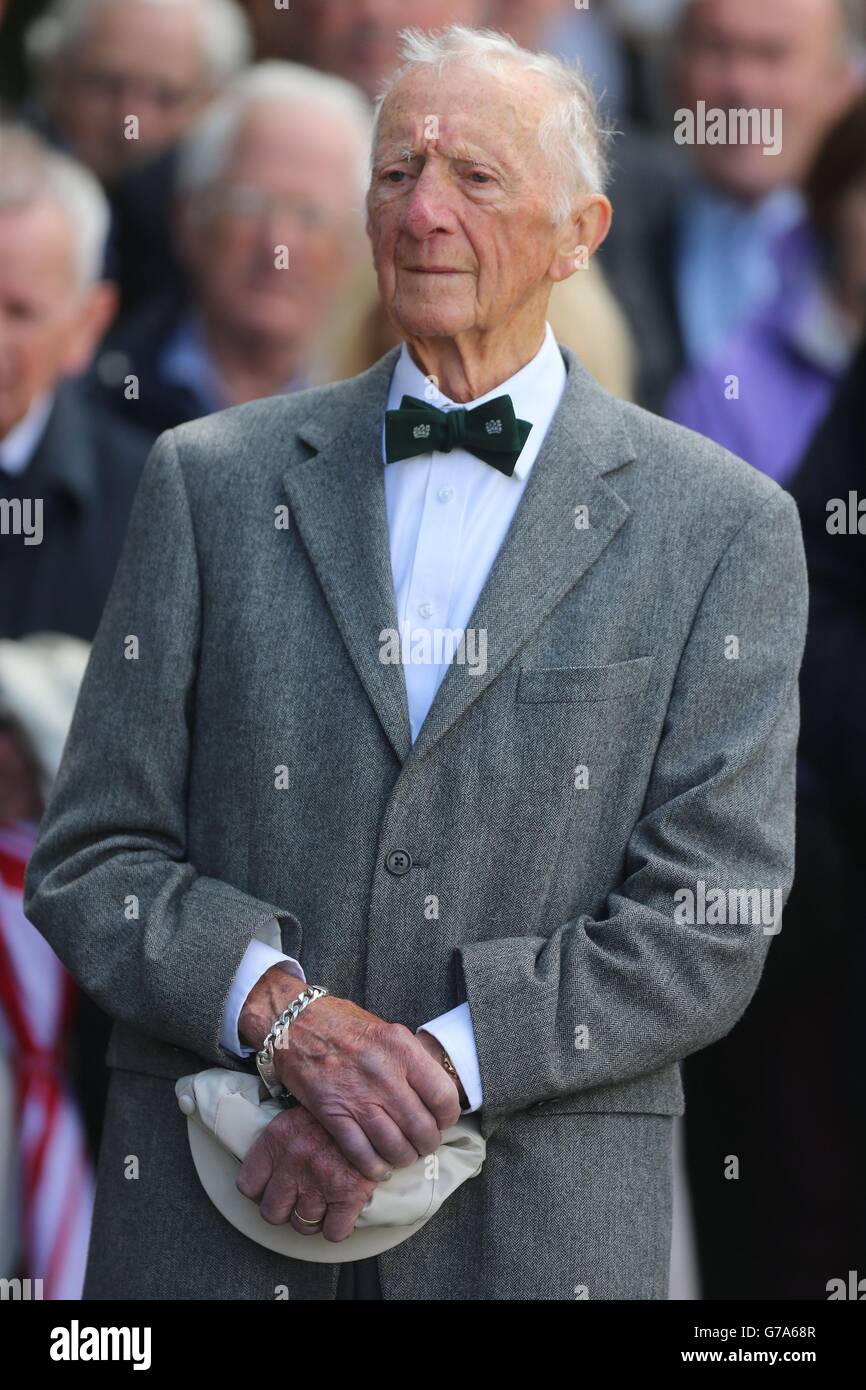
column 398, row 862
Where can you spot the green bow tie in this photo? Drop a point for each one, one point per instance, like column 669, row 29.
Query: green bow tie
column 490, row 431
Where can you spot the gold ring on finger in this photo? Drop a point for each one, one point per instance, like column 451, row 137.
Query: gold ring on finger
column 318, row 1221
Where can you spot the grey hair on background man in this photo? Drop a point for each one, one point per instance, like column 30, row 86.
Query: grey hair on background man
column 225, row 32
column 572, row 136
column 206, row 150
column 31, row 172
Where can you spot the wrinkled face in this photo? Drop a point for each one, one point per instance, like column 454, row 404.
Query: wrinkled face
column 358, row 38
column 290, row 182
column 43, row 327
column 782, row 54
column 135, row 60
column 459, row 202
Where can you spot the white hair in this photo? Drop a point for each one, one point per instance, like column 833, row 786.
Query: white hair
column 31, row 173
column 225, row 32
column 205, row 151
column 572, row 135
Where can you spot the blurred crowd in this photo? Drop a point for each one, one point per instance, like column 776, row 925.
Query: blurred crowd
column 153, row 154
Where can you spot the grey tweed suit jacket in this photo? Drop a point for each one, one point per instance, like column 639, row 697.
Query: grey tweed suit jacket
column 233, row 646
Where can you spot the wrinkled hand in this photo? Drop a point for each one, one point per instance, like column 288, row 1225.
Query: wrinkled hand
column 371, row 1084
column 295, row 1163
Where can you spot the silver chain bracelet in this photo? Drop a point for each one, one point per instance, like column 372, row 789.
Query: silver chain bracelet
column 265, row 1056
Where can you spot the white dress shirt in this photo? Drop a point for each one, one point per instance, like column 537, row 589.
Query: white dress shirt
column 448, row 514
column 20, row 444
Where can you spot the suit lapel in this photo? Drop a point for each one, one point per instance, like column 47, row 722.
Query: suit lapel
column 338, row 502
column 337, row 498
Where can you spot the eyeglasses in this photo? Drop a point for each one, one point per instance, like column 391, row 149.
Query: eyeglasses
column 113, row 86
column 251, row 204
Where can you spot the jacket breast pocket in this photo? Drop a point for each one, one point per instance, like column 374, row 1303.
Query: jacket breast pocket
column 562, row 684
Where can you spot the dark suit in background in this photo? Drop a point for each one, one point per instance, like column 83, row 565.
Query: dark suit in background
column 833, row 688
column 85, row 469
column 137, row 345
column 141, row 256
column 783, row 1091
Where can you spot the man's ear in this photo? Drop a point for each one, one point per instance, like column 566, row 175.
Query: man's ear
column 582, row 234
column 95, row 314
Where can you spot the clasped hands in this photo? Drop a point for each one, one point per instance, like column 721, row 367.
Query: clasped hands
column 374, row 1096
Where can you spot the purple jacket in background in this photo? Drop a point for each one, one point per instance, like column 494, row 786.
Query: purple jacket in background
column 788, row 360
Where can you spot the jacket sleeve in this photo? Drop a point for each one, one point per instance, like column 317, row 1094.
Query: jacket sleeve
column 603, row 1000
column 109, row 885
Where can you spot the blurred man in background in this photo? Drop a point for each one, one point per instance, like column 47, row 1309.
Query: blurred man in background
column 270, row 189
column 68, row 471
column 81, row 465
column 765, row 391
column 119, row 83
column 694, row 251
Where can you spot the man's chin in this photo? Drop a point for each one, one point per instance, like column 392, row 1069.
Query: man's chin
column 281, row 326
column 11, row 414
column 431, row 321
column 745, row 179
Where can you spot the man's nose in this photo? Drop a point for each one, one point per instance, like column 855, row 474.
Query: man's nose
column 427, row 208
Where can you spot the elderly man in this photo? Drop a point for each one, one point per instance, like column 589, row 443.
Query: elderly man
column 64, row 464
column 68, row 470
column 509, row 856
column 709, row 231
column 119, row 83
column 270, row 191
column 360, row 42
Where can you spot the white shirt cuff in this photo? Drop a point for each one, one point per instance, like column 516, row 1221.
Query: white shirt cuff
column 257, row 958
column 455, row 1032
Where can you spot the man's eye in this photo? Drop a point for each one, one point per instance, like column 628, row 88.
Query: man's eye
column 23, row 313
column 392, row 175
column 479, row 174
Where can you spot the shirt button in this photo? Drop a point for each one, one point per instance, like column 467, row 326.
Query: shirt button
column 398, row 862
column 425, row 610
column 445, row 494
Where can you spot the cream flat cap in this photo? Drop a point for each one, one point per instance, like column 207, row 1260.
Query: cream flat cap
column 227, row 1110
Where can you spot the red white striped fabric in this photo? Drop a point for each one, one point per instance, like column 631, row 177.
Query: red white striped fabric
column 55, row 1176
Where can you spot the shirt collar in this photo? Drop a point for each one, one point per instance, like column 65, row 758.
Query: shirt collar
column 20, row 444
column 774, row 214
column 187, row 361
column 535, row 391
